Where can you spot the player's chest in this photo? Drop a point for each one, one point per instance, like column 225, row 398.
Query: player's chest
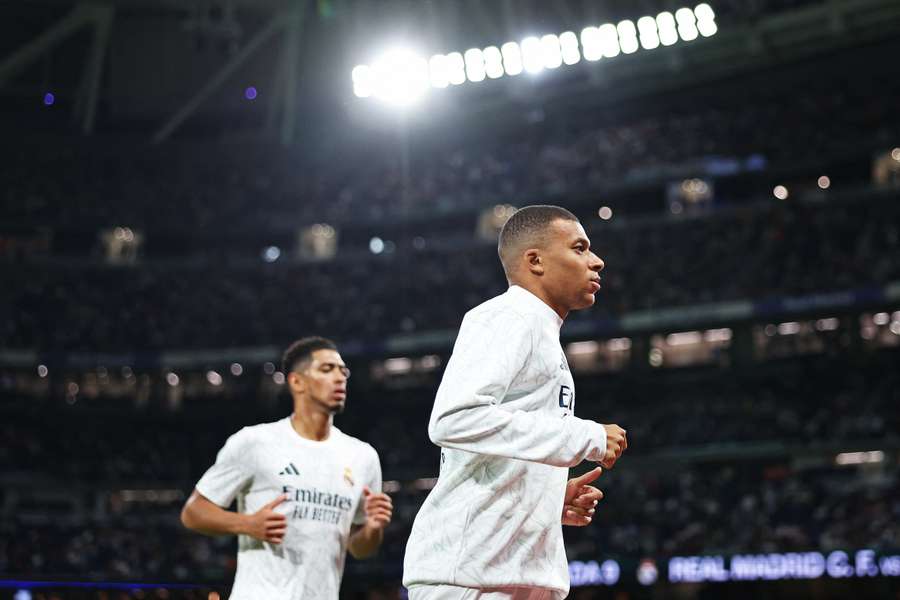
column 327, row 471
column 322, row 488
column 545, row 383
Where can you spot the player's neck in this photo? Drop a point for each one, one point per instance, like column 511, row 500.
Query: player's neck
column 312, row 425
column 543, row 296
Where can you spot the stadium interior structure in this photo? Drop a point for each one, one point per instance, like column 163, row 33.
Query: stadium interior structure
column 189, row 186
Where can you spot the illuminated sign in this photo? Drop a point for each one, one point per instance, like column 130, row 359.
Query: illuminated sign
column 838, row 564
column 594, row 573
column 774, row 566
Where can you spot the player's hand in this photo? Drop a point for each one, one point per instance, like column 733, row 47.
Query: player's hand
column 616, row 442
column 267, row 525
column 581, row 499
column 379, row 509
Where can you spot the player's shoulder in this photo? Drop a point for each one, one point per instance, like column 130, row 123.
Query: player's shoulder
column 499, row 311
column 354, row 443
column 259, row 431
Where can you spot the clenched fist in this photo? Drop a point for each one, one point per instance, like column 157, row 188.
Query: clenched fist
column 379, row 509
column 266, row 524
column 616, row 442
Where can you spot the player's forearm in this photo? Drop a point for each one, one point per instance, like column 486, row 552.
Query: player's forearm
column 210, row 519
column 365, row 541
column 484, row 428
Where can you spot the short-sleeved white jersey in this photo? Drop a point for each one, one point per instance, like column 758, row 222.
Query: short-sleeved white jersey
column 323, row 482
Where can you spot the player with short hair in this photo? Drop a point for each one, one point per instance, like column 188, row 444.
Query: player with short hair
column 503, row 417
column 306, row 492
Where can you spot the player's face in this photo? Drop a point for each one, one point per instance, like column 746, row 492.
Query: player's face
column 325, row 380
column 572, row 271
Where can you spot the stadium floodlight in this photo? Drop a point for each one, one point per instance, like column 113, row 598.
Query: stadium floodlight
column 532, row 55
column 362, row 81
column 439, row 71
column 687, row 24
column 493, row 62
column 591, row 43
column 627, row 36
column 475, row 70
column 401, row 77
column 568, row 43
column 609, row 40
column 512, row 58
column 552, row 51
column 706, row 20
column 647, row 30
column 665, row 23
column 456, row 68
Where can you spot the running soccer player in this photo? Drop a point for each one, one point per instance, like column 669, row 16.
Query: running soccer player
column 306, row 492
column 503, row 417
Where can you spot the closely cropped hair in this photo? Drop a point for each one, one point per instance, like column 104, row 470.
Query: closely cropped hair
column 302, row 350
column 525, row 227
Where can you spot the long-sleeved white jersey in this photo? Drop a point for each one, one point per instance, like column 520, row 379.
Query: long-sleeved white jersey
column 503, row 417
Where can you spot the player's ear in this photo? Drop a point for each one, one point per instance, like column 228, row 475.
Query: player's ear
column 296, row 383
column 534, row 261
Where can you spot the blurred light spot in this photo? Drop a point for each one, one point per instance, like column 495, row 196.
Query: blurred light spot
column 271, row 254
column 605, row 213
column 268, row 368
column 895, row 154
column 780, row 192
column 859, row 458
column 278, row 377
column 619, row 344
column 250, row 93
column 172, row 379
column 376, row 245
column 214, row 378
column 42, row 371
column 789, row 328
column 236, row 369
column 827, row 324
column 824, row 182
column 49, row 99
column 656, row 357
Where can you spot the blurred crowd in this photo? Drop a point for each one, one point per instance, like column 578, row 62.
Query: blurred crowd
column 696, row 483
column 229, row 186
column 751, row 254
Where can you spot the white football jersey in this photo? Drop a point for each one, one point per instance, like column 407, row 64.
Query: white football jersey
column 503, row 416
column 323, row 482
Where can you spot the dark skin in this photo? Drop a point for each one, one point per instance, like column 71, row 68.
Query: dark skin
column 318, row 387
column 559, row 268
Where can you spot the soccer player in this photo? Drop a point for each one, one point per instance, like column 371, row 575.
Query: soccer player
column 306, row 492
column 491, row 527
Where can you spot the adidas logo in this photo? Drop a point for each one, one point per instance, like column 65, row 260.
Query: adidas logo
column 291, row 469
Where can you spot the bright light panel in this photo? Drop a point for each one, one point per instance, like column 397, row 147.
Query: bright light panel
column 400, row 77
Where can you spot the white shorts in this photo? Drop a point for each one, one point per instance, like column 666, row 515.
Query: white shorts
column 452, row 592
